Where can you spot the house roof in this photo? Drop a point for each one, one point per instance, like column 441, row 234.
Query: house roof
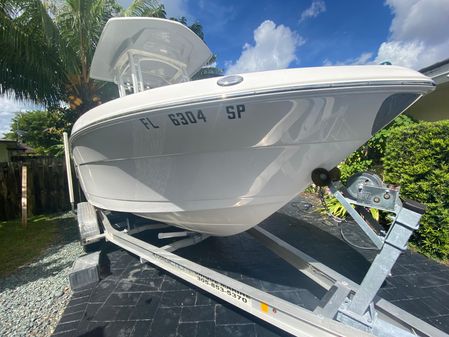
column 7, row 141
column 439, row 71
column 15, row 145
column 434, row 106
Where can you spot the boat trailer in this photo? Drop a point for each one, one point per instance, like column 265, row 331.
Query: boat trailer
column 347, row 309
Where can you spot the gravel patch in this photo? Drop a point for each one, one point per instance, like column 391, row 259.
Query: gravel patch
column 33, row 299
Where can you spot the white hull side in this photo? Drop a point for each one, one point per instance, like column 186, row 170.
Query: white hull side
column 222, row 176
column 220, row 159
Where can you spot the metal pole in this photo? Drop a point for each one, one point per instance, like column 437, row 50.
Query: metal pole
column 69, row 170
column 132, row 67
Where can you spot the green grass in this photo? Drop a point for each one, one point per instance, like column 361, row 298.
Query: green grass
column 20, row 245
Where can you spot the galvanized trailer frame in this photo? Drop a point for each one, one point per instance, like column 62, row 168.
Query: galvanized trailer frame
column 332, row 317
column 286, row 316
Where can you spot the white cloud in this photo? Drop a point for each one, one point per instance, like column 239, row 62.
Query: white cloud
column 419, row 20
column 8, row 109
column 418, row 33
column 316, row 8
column 400, row 53
column 274, row 48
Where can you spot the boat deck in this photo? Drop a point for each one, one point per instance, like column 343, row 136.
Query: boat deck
column 141, row 300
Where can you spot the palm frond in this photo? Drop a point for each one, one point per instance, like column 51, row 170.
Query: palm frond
column 80, row 23
column 150, row 8
column 28, row 63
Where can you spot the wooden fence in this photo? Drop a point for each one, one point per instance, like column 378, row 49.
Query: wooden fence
column 47, row 187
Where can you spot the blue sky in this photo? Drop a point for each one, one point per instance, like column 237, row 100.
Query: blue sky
column 248, row 35
column 339, row 31
column 251, row 35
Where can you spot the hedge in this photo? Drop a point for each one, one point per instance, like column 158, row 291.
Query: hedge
column 417, row 158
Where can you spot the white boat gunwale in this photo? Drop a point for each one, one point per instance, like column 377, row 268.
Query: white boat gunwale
column 134, row 113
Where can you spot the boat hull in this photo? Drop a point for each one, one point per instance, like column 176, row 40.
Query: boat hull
column 222, row 166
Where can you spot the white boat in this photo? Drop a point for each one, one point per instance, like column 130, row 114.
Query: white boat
column 220, row 155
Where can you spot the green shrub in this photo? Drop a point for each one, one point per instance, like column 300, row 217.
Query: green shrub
column 417, row 158
column 42, row 130
column 369, row 156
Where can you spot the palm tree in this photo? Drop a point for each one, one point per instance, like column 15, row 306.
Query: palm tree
column 29, row 63
column 47, row 48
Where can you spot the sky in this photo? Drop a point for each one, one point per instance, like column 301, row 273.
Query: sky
column 248, row 35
